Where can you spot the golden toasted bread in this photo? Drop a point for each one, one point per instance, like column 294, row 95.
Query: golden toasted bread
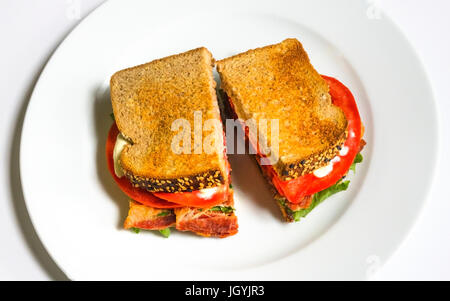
column 146, row 100
column 279, row 82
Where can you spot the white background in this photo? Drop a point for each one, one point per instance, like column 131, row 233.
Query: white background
column 30, row 31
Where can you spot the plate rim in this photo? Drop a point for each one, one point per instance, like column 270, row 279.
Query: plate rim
column 420, row 64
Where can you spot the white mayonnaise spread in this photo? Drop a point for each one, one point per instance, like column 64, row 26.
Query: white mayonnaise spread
column 335, row 159
column 323, row 171
column 327, row 169
column 344, row 151
column 352, row 134
column 207, row 193
column 118, row 148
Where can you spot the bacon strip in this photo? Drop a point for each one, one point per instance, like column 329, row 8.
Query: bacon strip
column 203, row 222
column 145, row 217
column 207, row 223
column 362, row 144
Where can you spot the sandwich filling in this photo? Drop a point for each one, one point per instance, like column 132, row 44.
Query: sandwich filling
column 207, row 212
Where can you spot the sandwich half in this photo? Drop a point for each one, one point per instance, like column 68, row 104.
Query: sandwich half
column 166, row 148
column 319, row 130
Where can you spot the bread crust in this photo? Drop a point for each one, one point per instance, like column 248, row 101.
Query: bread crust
column 279, row 82
column 279, row 199
column 297, row 168
column 208, row 179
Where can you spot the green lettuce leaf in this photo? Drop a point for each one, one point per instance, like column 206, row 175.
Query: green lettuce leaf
column 165, row 232
column 358, row 159
column 224, row 209
column 319, row 197
column 163, row 213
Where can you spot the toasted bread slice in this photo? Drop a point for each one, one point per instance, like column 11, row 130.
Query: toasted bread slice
column 279, row 82
column 146, row 100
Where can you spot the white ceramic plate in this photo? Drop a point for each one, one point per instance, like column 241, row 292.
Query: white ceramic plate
column 78, row 210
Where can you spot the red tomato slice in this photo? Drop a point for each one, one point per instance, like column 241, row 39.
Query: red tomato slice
column 138, row 194
column 295, row 190
column 198, row 198
column 204, row 198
